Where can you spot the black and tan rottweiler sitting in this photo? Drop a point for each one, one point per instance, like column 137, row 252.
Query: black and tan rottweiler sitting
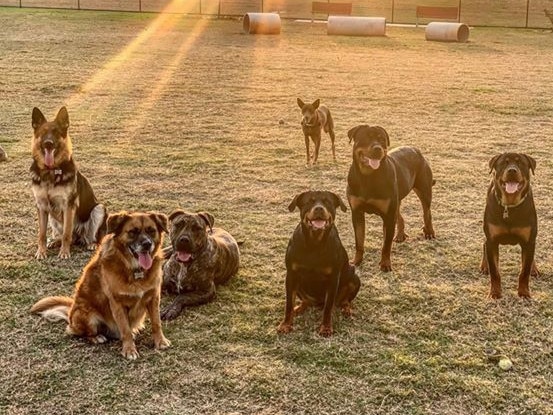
column 316, row 117
column 200, row 258
column 377, row 182
column 317, row 265
column 510, row 218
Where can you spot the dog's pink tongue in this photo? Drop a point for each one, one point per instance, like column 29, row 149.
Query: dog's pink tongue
column 145, row 260
column 318, row 224
column 183, row 256
column 511, row 187
column 374, row 163
column 49, row 158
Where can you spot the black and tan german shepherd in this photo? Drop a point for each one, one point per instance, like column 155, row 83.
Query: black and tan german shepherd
column 64, row 197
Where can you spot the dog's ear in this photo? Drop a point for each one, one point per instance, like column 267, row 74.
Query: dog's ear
column 531, row 162
column 300, row 103
column 116, row 220
column 160, row 220
column 208, row 219
column 296, row 202
column 352, row 132
column 316, row 103
column 175, row 213
column 338, row 202
column 38, row 118
column 493, row 162
column 385, row 134
column 62, row 119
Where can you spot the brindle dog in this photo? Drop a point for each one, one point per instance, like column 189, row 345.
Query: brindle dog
column 510, row 218
column 63, row 195
column 316, row 117
column 200, row 258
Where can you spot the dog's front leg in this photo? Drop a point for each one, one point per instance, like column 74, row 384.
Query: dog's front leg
column 291, row 289
column 160, row 341
column 317, row 142
column 389, row 228
column 67, row 237
column 527, row 266
column 307, row 149
column 325, row 329
column 204, row 293
column 122, row 320
column 358, row 220
column 42, row 228
column 492, row 256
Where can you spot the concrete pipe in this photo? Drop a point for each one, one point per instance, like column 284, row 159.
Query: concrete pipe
column 447, row 32
column 356, row 26
column 261, row 23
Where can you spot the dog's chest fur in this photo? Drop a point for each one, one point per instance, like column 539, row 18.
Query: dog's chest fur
column 54, row 189
column 188, row 277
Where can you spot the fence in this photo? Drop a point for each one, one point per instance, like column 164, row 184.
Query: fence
column 511, row 13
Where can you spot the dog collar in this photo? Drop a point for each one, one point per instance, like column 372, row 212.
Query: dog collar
column 506, row 207
column 138, row 274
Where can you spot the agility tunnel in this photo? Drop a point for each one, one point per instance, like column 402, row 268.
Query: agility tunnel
column 356, row 26
column 447, row 32
column 261, row 23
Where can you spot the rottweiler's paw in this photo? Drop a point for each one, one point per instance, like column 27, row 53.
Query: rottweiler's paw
column 325, row 331
column 385, row 266
column 357, row 258
column 535, row 272
column 524, row 293
column 347, row 310
column 400, row 237
column 494, row 295
column 284, row 328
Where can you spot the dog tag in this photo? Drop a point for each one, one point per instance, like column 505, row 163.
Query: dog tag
column 505, row 213
column 138, row 275
column 58, row 172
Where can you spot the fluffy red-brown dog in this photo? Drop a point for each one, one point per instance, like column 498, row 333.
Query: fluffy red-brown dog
column 120, row 284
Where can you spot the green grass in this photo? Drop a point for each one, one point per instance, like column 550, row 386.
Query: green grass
column 190, row 118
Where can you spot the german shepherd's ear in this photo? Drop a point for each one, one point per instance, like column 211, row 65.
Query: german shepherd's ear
column 161, row 221
column 352, row 132
column 493, row 162
column 175, row 213
column 38, row 118
column 338, row 202
column 300, row 103
column 116, row 220
column 316, row 104
column 531, row 161
column 385, row 134
column 208, row 219
column 62, row 119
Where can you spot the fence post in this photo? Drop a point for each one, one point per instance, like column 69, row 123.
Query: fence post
column 393, row 7
column 527, row 11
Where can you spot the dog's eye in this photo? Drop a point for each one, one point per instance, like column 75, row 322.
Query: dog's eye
column 197, row 228
column 134, row 232
column 150, row 231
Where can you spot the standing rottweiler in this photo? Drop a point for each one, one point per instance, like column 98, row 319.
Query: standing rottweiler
column 317, row 265
column 377, row 182
column 315, row 118
column 510, row 218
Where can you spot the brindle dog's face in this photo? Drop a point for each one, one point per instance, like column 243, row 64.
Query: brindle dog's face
column 139, row 233
column 189, row 233
column 309, row 112
column 370, row 146
column 512, row 175
column 317, row 209
column 50, row 145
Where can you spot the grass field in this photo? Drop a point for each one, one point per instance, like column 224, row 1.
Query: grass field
column 171, row 112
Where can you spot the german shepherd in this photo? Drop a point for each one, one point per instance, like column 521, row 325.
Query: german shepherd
column 120, row 284
column 64, row 197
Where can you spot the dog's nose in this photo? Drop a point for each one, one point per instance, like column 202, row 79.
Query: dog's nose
column 512, row 170
column 146, row 245
column 184, row 239
column 318, row 209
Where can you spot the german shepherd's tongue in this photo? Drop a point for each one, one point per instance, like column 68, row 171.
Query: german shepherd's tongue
column 511, row 187
column 145, row 260
column 49, row 158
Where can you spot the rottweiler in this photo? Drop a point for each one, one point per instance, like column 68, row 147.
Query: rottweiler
column 510, row 218
column 317, row 266
column 316, row 117
column 378, row 180
column 63, row 195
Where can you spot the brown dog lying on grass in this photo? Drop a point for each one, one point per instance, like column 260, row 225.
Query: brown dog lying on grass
column 118, row 287
column 510, row 218
column 200, row 258
column 316, row 117
column 317, row 266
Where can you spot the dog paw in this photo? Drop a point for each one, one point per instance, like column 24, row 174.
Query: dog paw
column 428, row 233
column 535, row 272
column 40, row 253
column 170, row 312
column 524, row 293
column 494, row 294
column 325, row 331
column 99, row 339
column 357, row 258
column 385, row 266
column 284, row 328
column 300, row 309
column 64, row 254
column 162, row 343
column 130, row 352
column 91, row 247
column 347, row 311
column 53, row 243
column 400, row 237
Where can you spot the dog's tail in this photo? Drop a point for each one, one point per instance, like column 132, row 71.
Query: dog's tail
column 53, row 308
